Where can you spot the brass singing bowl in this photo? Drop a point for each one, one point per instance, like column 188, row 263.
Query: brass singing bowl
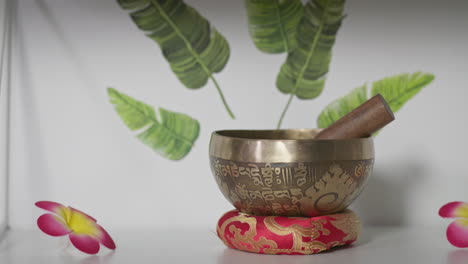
column 288, row 172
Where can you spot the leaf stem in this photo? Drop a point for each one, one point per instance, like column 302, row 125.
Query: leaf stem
column 194, row 53
column 278, row 126
column 231, row 114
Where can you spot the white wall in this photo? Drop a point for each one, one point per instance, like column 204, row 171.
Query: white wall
column 3, row 116
column 70, row 146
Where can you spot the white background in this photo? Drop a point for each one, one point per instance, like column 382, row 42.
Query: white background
column 3, row 120
column 70, row 146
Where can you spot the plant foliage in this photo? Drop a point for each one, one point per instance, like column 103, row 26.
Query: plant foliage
column 273, row 23
column 396, row 90
column 304, row 72
column 193, row 48
column 172, row 135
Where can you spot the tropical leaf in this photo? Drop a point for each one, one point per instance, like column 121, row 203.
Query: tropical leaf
column 396, row 90
column 342, row 106
column 193, row 48
column 273, row 23
column 172, row 135
column 304, row 72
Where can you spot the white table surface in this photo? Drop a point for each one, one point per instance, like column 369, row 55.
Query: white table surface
column 376, row 245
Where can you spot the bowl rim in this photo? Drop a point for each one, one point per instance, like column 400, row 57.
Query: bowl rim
column 219, row 133
column 268, row 150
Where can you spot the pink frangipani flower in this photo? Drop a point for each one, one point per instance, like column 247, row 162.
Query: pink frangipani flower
column 457, row 231
column 84, row 233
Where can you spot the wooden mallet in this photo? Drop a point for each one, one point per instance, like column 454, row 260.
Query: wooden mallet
column 363, row 121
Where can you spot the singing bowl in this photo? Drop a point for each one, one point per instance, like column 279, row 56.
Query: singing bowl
column 288, row 172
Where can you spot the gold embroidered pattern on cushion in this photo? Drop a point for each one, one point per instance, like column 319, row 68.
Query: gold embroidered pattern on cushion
column 298, row 232
column 349, row 224
column 246, row 241
column 287, row 235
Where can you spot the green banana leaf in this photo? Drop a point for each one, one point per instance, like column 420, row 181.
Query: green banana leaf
column 273, row 23
column 342, row 106
column 193, row 48
column 304, row 72
column 396, row 90
column 172, row 135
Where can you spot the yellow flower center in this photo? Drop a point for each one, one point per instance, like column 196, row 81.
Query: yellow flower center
column 80, row 224
column 462, row 211
column 463, row 222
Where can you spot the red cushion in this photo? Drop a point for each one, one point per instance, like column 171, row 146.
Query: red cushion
column 287, row 235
